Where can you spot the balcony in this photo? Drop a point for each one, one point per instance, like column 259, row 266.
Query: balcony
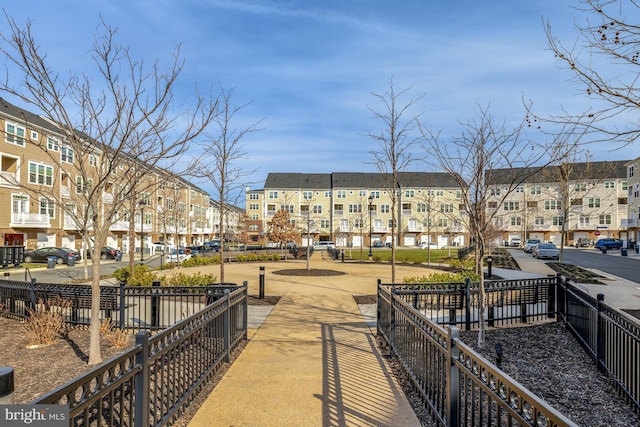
column 380, row 229
column 29, row 220
column 8, row 179
column 107, row 198
column 120, row 226
column 65, row 191
column 628, row 223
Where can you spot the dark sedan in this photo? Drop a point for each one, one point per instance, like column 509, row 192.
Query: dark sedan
column 61, row 254
column 106, row 253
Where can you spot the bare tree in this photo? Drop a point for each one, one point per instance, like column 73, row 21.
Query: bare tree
column 395, row 142
column 604, row 62
column 221, row 151
column 122, row 115
column 471, row 158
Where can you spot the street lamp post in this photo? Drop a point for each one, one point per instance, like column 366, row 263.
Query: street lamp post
column 142, row 204
column 370, row 226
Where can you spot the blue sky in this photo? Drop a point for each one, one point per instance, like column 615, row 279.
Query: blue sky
column 309, row 67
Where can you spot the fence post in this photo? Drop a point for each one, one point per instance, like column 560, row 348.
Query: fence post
column 226, row 326
column 155, row 300
column 467, row 304
column 551, row 299
column 141, row 382
column 122, row 304
column 392, row 322
column 378, row 311
column 245, row 309
column 32, row 294
column 599, row 333
column 453, row 376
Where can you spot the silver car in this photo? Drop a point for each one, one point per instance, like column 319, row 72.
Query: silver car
column 546, row 251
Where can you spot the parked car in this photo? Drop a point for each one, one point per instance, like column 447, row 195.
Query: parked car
column 178, row 255
column 582, row 242
column 105, row 253
column 323, row 245
column 516, row 242
column 546, row 251
column 529, row 244
column 160, row 246
column 608, row 243
column 430, row 245
column 41, row 255
column 378, row 244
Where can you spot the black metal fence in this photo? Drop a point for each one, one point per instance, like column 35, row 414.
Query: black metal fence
column 611, row 338
column 506, row 301
column 458, row 386
column 11, row 255
column 129, row 307
column 149, row 384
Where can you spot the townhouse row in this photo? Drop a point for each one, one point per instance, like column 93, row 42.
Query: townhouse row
column 598, row 199
column 44, row 182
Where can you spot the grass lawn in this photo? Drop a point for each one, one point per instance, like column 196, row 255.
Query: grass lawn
column 404, row 255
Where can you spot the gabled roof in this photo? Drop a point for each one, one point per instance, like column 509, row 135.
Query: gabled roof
column 614, row 169
column 316, row 181
column 358, row 180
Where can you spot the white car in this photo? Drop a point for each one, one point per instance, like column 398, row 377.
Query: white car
column 177, row 255
column 430, row 245
column 529, row 244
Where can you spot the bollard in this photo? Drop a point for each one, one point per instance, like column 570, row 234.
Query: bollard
column 6, row 386
column 343, row 255
column 499, row 355
column 261, row 295
column 7, row 275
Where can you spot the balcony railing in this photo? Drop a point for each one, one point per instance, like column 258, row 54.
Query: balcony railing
column 629, row 222
column 107, row 198
column 65, row 191
column 20, row 219
column 120, row 226
column 8, row 178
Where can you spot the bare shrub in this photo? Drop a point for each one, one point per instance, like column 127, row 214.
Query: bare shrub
column 45, row 321
column 118, row 338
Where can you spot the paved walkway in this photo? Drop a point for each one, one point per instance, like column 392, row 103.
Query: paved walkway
column 314, row 360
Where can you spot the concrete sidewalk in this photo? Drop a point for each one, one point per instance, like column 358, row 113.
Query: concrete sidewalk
column 314, row 360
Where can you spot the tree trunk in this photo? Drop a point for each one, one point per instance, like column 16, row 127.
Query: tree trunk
column 95, row 355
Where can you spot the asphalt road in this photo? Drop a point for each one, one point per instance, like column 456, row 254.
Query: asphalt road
column 626, row 267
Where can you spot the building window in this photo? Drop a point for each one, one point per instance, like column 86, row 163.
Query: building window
column 539, row 221
column 327, row 194
column 406, row 207
column 40, row 174
column 53, row 144
column 584, row 220
column 511, row 206
column 594, row 202
column 409, row 193
column 492, row 205
column 34, row 135
column 580, row 186
column 92, row 160
column 355, row 208
column 307, row 195
column 82, row 187
column 576, row 202
column 536, row 189
column 443, row 222
column 631, row 168
column 375, row 194
column 516, row 220
column 66, row 155
column 446, row 208
column 385, row 209
column 15, row 134
column 519, row 189
column 341, row 194
column 324, row 223
column 254, row 206
column 273, row 194
column 557, row 220
column 624, row 185
column 550, row 205
column 47, row 207
column 604, row 219
column 288, row 208
column 609, row 184
column 254, row 197
column 494, row 191
column 317, row 209
column 421, row 207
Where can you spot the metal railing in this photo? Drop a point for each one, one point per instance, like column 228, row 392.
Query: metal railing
column 611, row 338
column 459, row 387
column 11, row 255
column 149, row 384
column 437, row 361
column 506, row 301
column 129, row 307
